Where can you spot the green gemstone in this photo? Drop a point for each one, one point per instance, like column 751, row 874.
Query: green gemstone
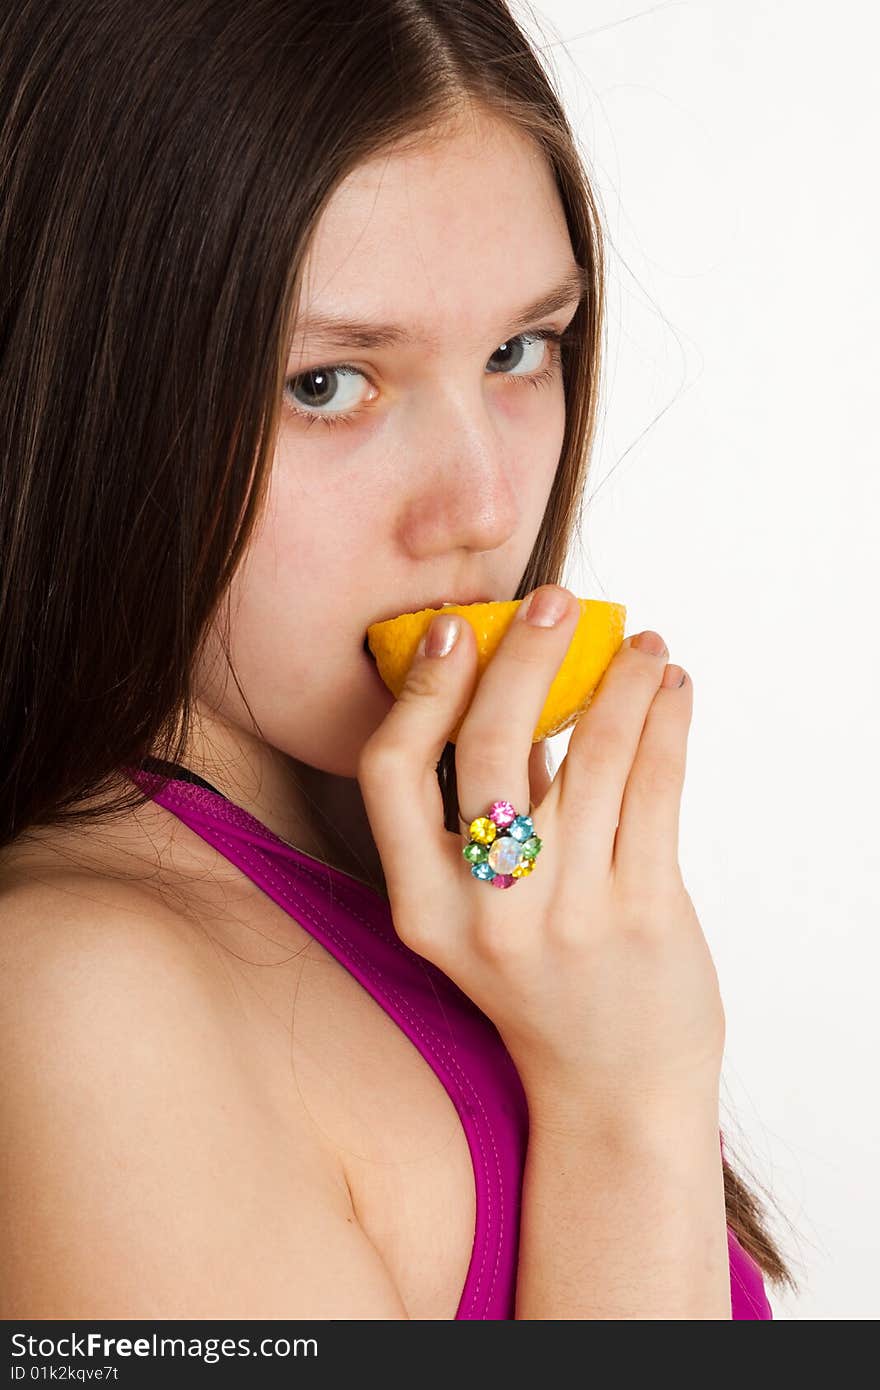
column 475, row 854
column 532, row 846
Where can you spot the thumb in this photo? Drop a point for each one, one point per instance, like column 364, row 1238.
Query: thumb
column 439, row 686
column 435, row 695
column 397, row 768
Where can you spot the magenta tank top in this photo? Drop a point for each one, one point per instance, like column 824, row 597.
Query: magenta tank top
column 459, row 1042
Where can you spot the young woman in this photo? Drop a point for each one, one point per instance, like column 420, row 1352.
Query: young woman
column 301, row 324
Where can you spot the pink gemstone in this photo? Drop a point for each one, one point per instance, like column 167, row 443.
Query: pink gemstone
column 502, row 813
column 503, row 880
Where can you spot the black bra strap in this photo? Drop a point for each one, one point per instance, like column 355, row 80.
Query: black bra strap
column 177, row 773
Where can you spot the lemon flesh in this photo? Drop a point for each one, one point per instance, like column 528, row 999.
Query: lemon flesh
column 596, row 639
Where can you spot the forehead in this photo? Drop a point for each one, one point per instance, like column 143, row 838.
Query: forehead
column 440, row 233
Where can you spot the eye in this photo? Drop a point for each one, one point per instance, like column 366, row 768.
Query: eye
column 323, row 387
column 309, row 394
column 522, row 349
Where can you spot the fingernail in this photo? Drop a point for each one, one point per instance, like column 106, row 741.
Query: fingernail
column 673, row 677
column 442, row 635
column 650, row 642
column 544, row 607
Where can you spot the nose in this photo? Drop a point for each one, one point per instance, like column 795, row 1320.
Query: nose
column 464, row 493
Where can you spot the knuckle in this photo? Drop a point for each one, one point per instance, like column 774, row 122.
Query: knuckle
column 519, row 648
column 574, row 933
column 641, row 669
column 377, row 757
column 605, row 736
column 647, row 674
column 646, row 906
column 661, row 773
column 410, row 926
column 603, row 759
column 423, row 680
column 484, row 755
column 644, row 916
column 499, row 944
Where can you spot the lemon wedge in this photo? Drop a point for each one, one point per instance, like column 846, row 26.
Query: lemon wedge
column 596, row 639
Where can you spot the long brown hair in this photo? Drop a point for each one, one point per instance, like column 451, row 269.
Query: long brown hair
column 163, row 166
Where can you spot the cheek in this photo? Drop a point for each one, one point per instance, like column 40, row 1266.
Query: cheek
column 295, row 635
column 292, row 593
column 535, row 432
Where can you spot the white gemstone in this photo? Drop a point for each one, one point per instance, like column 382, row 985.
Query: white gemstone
column 504, row 854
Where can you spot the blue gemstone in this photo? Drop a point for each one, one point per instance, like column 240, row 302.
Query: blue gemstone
column 484, row 870
column 522, row 828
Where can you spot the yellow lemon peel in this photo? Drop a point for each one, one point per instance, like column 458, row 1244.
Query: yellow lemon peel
column 597, row 637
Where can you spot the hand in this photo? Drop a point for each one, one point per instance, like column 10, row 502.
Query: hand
column 594, row 968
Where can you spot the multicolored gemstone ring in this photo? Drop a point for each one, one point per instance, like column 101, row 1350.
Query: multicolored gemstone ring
column 502, row 847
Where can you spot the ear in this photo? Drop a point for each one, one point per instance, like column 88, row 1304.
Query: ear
column 540, row 772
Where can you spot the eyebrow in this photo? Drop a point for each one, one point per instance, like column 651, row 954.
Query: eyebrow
column 339, row 332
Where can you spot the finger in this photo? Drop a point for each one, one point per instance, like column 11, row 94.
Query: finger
column 397, row 768
column 602, row 750
column 540, row 779
column 494, row 745
column 646, row 846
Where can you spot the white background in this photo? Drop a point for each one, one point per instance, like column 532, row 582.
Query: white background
column 735, row 508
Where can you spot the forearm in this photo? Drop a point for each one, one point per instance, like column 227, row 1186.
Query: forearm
column 619, row 1224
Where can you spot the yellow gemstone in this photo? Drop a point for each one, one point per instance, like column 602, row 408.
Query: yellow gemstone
column 483, row 830
column 524, row 869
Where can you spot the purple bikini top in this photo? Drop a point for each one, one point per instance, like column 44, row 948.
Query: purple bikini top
column 460, row 1043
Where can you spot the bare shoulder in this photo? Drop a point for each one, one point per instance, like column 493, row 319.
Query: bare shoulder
column 106, row 904
column 144, row 1177
column 82, row 932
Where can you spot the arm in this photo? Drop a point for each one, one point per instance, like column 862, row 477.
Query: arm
column 142, row 1179
column 624, row 1224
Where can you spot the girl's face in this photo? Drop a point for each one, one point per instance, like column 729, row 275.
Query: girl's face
column 417, row 451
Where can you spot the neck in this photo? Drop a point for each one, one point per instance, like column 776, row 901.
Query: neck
column 337, row 825
column 318, row 812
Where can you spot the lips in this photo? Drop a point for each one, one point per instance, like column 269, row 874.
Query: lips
column 458, row 602
column 419, row 607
